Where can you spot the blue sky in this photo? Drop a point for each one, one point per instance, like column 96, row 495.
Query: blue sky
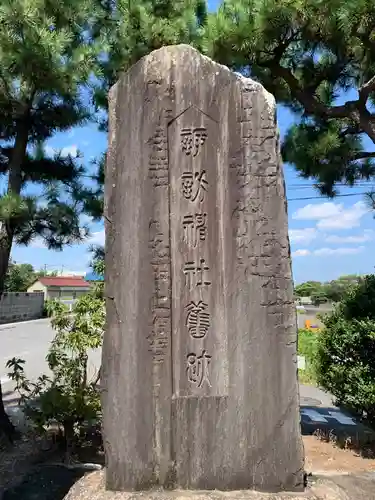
column 328, row 238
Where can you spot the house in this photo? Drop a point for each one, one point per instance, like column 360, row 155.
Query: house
column 60, row 287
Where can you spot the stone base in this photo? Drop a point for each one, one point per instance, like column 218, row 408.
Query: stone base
column 321, row 487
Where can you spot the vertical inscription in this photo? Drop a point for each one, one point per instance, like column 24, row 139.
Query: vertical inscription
column 158, row 172
column 194, row 188
column 199, row 339
column 254, row 166
column 158, row 158
column 160, row 301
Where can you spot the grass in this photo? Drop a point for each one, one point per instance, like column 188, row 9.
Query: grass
column 307, row 343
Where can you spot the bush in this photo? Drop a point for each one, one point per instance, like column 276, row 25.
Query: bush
column 346, row 350
column 68, row 397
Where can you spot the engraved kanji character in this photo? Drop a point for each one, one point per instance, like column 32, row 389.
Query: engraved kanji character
column 161, row 289
column 160, row 326
column 197, row 368
column 194, row 185
column 192, row 139
column 198, row 319
column 194, row 228
column 196, row 275
column 200, row 220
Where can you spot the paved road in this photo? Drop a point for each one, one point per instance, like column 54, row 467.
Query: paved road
column 30, row 341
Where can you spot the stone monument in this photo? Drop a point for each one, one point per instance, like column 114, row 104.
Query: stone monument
column 199, row 357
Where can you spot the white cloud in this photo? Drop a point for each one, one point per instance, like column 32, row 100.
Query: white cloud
column 326, row 252
column 71, row 133
column 62, row 271
column 368, row 235
column 338, row 251
column 69, row 150
column 301, row 253
column 346, row 219
column 67, row 272
column 85, row 143
column 37, row 243
column 85, row 219
column 318, row 211
column 331, row 215
column 97, row 238
column 305, row 235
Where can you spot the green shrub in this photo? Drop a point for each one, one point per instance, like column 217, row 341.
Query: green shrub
column 346, row 350
column 67, row 397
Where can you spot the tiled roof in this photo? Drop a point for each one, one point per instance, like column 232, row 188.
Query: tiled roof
column 71, row 281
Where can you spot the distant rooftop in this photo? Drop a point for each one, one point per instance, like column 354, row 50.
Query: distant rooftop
column 74, row 281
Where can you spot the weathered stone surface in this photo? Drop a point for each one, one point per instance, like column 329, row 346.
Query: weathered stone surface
column 199, row 356
column 340, row 487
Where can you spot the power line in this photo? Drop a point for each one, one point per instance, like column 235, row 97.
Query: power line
column 341, row 184
column 324, row 196
column 336, row 185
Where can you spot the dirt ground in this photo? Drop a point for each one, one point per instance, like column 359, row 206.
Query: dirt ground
column 321, row 456
column 22, row 460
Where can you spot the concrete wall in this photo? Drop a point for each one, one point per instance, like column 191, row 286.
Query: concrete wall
column 21, row 306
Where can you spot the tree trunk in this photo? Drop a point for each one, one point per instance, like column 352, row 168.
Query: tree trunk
column 7, row 228
column 14, row 187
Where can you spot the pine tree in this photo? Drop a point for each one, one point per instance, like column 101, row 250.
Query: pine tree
column 44, row 63
column 134, row 28
column 309, row 53
column 46, row 60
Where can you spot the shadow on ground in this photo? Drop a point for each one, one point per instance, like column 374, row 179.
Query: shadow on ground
column 335, row 425
column 47, row 482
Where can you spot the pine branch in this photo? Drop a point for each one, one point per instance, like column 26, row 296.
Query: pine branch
column 366, row 89
column 311, row 104
column 363, row 154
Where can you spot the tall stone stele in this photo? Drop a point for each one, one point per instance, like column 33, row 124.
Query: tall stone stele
column 199, row 357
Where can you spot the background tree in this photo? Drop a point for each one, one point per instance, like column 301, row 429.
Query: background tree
column 133, row 29
column 46, row 59
column 308, row 288
column 19, row 277
column 336, row 290
column 346, row 350
column 333, row 291
column 317, row 58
